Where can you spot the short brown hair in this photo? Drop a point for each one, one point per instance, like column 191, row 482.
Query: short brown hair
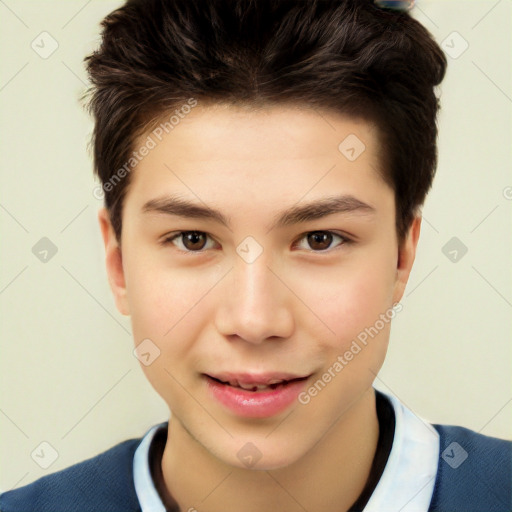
column 349, row 56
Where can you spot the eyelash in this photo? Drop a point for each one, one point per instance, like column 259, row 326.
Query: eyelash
column 344, row 240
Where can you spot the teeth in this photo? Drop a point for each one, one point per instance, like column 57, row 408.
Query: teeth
column 252, row 387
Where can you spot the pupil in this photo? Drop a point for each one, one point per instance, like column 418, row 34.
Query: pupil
column 320, row 240
column 193, row 240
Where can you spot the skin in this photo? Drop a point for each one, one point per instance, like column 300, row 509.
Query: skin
column 295, row 308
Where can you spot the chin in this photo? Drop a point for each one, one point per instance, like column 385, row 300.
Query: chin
column 264, row 464
column 261, row 455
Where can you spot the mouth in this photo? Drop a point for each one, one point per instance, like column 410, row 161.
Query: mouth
column 255, row 396
column 258, row 386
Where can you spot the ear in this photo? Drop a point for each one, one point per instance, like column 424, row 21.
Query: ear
column 406, row 255
column 114, row 262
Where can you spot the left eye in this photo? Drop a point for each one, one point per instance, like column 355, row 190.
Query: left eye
column 321, row 240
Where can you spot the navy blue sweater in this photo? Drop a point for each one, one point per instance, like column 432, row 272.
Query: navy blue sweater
column 104, row 483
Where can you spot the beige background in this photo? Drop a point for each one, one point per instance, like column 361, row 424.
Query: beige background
column 68, row 375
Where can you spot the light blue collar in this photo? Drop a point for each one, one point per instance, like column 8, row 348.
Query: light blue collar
column 406, row 485
column 147, row 494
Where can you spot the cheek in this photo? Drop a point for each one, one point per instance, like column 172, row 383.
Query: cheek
column 154, row 304
column 167, row 308
column 351, row 297
column 365, row 298
column 169, row 305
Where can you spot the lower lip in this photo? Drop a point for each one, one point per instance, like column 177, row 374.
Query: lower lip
column 256, row 404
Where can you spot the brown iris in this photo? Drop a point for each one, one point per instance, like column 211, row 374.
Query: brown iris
column 194, row 240
column 319, row 240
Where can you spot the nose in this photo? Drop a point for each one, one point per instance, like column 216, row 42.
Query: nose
column 255, row 304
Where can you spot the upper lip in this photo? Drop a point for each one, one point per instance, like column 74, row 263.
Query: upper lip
column 262, row 379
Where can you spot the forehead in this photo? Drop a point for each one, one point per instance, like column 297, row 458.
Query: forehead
column 284, row 131
column 216, row 151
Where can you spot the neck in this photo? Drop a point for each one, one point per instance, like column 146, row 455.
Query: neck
column 336, row 468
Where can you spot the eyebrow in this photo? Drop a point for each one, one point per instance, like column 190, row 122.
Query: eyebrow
column 177, row 206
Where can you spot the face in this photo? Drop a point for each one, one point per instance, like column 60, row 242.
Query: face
column 260, row 258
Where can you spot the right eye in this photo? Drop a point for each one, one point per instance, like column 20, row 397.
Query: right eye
column 189, row 241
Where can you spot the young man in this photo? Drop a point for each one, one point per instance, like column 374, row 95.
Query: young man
column 264, row 163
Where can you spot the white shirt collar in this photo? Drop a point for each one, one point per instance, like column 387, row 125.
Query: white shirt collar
column 406, row 484
column 147, row 494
